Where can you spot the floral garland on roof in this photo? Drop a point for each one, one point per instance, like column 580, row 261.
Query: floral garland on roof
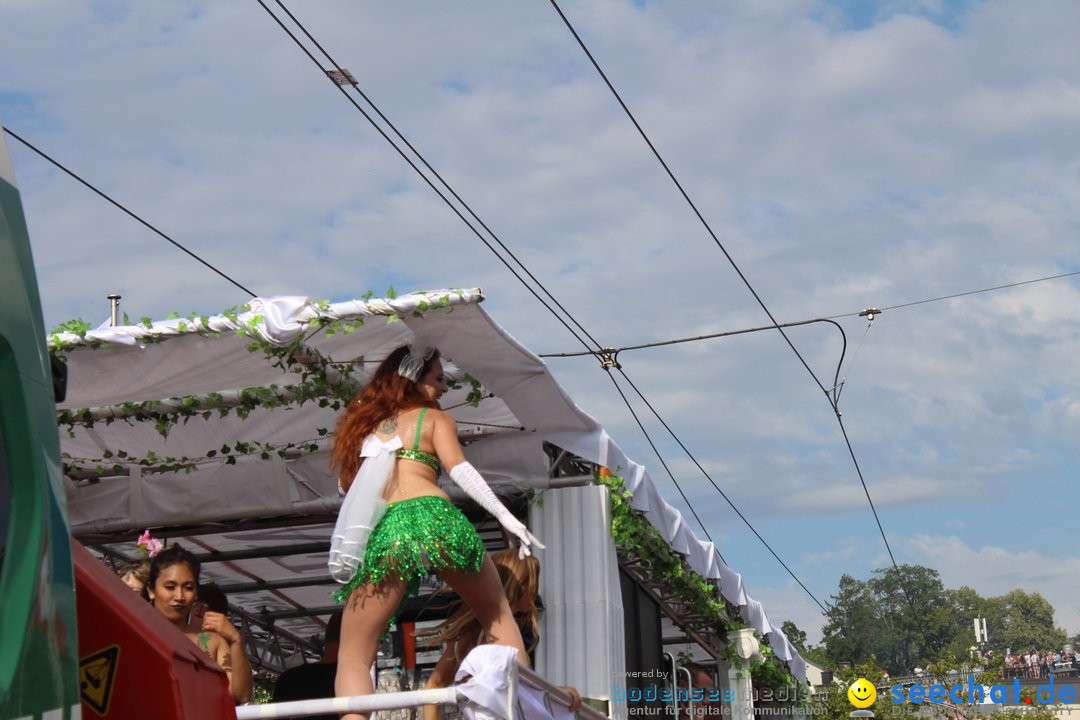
column 322, row 381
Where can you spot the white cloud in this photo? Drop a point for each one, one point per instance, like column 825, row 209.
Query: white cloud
column 993, row 570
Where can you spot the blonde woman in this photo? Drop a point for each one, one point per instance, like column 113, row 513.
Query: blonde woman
column 461, row 632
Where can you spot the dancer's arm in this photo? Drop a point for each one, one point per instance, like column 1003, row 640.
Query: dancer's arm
column 472, row 482
column 230, row 656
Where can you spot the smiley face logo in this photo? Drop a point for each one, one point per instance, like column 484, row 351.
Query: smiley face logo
column 862, row 693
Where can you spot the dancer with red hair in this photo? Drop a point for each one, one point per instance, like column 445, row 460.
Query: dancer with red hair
column 396, row 525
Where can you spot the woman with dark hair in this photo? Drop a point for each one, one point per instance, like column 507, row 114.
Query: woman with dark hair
column 396, row 524
column 173, row 589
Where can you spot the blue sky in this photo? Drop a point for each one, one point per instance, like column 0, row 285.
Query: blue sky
column 846, row 158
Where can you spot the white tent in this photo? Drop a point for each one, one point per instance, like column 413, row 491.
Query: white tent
column 217, row 430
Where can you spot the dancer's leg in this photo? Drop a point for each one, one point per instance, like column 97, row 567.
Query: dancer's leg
column 483, row 593
column 367, row 611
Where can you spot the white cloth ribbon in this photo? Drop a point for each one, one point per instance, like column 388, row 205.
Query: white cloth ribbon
column 492, row 682
column 362, row 508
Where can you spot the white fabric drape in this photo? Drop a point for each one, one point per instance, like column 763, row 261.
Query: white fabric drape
column 490, row 674
column 363, row 507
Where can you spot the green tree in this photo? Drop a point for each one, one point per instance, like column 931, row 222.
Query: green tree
column 809, row 652
column 1020, row 621
column 903, row 617
column 851, row 633
column 913, row 606
column 794, row 635
column 967, row 605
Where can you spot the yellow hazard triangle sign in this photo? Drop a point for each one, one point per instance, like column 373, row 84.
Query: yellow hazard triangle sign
column 97, row 673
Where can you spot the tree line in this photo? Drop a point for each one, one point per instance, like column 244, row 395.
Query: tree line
column 905, row 618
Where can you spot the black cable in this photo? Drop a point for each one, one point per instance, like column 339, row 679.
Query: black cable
column 434, row 172
column 12, row 133
column 727, row 333
column 903, row 586
column 686, row 196
column 458, row 213
column 969, row 292
column 712, row 234
column 662, row 462
column 427, row 179
column 677, row 341
column 722, row 493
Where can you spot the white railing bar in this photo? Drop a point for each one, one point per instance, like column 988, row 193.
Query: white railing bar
column 533, row 680
column 355, row 703
column 689, row 691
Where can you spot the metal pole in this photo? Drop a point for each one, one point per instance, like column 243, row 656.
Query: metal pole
column 114, row 303
column 674, row 686
column 689, row 693
column 530, row 678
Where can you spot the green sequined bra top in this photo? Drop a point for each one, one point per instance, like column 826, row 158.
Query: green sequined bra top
column 416, row 453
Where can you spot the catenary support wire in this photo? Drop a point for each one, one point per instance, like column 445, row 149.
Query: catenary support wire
column 719, row 245
column 56, row 163
column 424, row 177
column 386, row 137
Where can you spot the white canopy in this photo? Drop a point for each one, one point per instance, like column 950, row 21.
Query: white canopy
column 184, row 423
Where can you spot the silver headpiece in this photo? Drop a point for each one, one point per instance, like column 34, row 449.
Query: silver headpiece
column 413, row 363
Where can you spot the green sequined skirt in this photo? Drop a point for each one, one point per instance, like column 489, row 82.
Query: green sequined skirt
column 415, row 538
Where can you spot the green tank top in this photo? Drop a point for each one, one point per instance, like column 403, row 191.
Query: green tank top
column 416, row 453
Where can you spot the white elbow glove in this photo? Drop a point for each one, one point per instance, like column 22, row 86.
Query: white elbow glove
column 472, row 482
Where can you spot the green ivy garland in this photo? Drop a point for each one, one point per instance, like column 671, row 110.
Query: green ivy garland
column 636, row 537
column 323, row 381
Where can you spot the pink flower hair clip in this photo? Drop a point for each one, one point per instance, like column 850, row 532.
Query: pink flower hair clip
column 149, row 546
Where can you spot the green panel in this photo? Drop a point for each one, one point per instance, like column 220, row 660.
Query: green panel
column 39, row 641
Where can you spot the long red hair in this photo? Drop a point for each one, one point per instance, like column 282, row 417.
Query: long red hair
column 386, row 395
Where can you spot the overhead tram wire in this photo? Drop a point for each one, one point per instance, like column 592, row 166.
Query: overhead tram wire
column 876, row 310
column 471, row 212
column 484, row 225
column 969, row 292
column 678, row 341
column 72, row 174
column 664, row 463
column 685, row 195
column 599, row 352
column 428, row 180
column 717, row 487
column 734, row 265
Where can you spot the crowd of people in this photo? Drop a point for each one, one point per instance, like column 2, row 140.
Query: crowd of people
column 1036, row 664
